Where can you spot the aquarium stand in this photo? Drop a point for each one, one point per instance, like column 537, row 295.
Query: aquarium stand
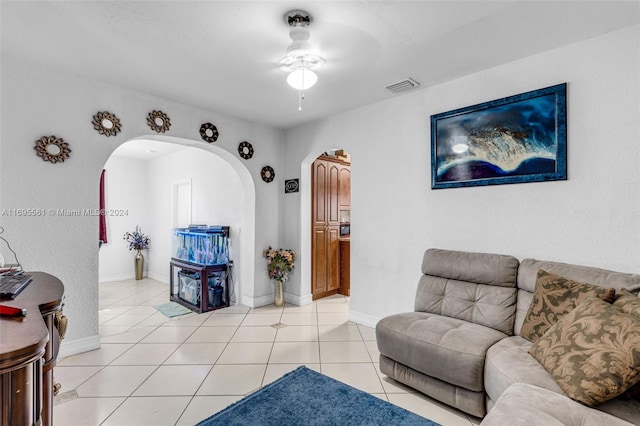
column 189, row 286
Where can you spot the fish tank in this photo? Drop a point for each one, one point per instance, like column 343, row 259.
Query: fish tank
column 201, row 245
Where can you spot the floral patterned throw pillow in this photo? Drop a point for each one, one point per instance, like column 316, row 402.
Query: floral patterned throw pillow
column 593, row 352
column 628, row 303
column 555, row 297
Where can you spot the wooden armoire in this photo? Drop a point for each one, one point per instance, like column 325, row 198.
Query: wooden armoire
column 330, row 180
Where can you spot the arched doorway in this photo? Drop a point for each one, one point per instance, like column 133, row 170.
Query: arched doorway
column 243, row 253
column 325, row 224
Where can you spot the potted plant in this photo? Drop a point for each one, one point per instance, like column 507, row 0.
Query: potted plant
column 137, row 241
column 279, row 263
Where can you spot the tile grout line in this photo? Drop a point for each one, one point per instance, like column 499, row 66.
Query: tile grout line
column 221, row 352
column 273, row 343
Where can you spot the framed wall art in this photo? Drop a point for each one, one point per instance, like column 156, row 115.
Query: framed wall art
column 291, row 186
column 520, row 138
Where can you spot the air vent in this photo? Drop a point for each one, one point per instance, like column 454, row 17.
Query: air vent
column 402, row 86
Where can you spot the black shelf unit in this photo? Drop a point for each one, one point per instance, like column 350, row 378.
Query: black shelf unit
column 204, row 271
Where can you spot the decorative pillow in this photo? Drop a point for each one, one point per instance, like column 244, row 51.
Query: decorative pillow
column 628, row 303
column 593, row 352
column 553, row 298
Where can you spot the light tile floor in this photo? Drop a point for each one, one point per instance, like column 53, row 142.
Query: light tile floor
column 153, row 370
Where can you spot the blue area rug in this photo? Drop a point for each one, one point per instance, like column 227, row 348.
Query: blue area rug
column 172, row 309
column 304, row 397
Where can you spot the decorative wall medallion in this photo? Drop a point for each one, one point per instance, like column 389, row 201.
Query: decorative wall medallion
column 245, row 150
column 106, row 123
column 209, row 132
column 291, row 185
column 52, row 148
column 267, row 174
column 158, row 121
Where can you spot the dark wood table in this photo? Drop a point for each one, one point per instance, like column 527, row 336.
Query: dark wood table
column 28, row 352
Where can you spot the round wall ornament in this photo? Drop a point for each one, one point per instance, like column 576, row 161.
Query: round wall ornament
column 106, row 123
column 267, row 174
column 158, row 121
column 52, row 148
column 245, row 150
column 209, row 132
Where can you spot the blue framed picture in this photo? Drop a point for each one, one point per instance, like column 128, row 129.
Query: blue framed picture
column 521, row 138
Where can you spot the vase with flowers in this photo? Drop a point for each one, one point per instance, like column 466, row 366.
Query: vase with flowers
column 138, row 241
column 279, row 263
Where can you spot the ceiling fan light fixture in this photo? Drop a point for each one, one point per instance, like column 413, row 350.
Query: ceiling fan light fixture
column 302, row 78
column 300, row 59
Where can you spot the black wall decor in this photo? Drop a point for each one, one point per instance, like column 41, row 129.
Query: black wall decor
column 267, row 173
column 291, row 186
column 209, row 132
column 245, row 150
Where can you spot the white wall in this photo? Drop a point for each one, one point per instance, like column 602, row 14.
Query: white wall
column 126, row 205
column 217, row 199
column 593, row 218
column 38, row 100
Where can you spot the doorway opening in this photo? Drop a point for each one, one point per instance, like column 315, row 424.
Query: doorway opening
column 331, row 224
column 156, row 187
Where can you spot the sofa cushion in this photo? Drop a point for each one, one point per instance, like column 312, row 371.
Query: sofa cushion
column 509, row 362
column 449, row 349
column 593, row 352
column 554, row 297
column 482, row 268
column 528, row 272
column 475, row 287
column 525, row 404
column 522, row 307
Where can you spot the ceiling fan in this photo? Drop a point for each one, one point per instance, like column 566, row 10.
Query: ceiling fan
column 301, row 59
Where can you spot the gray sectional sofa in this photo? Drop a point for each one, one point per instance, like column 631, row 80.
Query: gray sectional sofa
column 461, row 345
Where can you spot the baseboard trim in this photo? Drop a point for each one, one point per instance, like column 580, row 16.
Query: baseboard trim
column 298, row 300
column 256, row 302
column 364, row 319
column 73, row 347
column 127, row 277
column 164, row 279
column 115, row 277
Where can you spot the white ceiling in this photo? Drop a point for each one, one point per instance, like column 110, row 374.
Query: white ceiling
column 223, row 55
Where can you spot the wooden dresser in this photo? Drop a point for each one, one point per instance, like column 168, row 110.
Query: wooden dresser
column 28, row 352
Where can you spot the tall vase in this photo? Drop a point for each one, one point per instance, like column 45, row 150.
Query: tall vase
column 139, row 262
column 278, row 296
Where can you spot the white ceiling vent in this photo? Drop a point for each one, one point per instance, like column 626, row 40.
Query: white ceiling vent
column 402, row 86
